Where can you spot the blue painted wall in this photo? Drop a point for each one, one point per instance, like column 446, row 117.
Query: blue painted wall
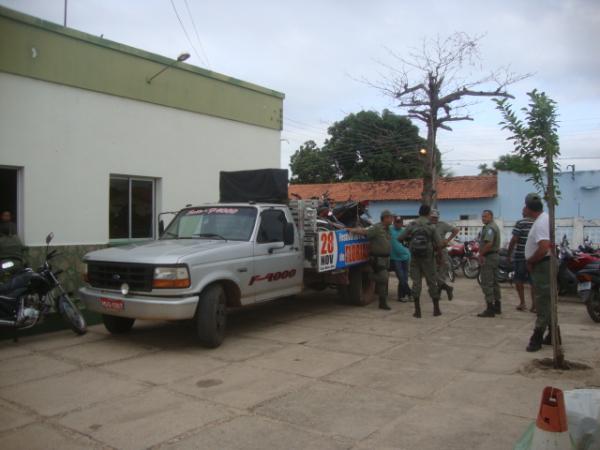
column 580, row 197
column 580, row 194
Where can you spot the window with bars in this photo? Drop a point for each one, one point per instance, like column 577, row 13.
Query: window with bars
column 131, row 208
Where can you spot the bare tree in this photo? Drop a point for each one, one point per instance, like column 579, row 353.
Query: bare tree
column 433, row 83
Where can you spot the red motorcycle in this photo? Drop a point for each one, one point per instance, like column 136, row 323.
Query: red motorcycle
column 465, row 255
column 571, row 262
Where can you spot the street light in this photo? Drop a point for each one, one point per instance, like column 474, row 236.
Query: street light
column 180, row 58
column 423, row 151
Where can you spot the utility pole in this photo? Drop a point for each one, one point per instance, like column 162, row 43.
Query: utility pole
column 65, row 16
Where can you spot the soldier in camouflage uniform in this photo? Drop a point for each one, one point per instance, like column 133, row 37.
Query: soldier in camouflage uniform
column 443, row 228
column 380, row 247
column 424, row 246
column 489, row 245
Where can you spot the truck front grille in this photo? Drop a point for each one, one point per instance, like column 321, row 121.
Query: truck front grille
column 107, row 275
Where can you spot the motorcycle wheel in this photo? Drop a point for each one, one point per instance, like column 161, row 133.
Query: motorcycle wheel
column 71, row 314
column 592, row 303
column 479, row 277
column 471, row 268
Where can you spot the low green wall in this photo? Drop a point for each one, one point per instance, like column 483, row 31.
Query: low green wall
column 69, row 260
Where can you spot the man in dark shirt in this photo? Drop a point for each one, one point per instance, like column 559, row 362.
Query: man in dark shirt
column 517, row 243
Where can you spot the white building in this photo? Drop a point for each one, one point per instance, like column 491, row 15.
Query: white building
column 92, row 151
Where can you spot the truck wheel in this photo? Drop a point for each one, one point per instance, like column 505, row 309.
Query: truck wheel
column 211, row 316
column 117, row 325
column 360, row 291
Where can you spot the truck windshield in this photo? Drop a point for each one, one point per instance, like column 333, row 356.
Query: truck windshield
column 227, row 223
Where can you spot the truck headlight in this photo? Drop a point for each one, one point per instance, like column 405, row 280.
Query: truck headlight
column 171, row 277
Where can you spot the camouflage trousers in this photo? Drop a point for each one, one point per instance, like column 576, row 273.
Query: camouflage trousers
column 424, row 267
column 442, row 269
column 489, row 279
column 380, row 276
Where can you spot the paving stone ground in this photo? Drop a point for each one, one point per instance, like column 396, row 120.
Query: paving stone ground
column 302, row 373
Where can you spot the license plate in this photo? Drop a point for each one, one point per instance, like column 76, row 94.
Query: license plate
column 113, row 304
column 585, row 286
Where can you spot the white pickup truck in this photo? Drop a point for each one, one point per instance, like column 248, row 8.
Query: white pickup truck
column 216, row 257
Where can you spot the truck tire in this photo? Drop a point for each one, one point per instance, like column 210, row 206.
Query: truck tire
column 117, row 325
column 211, row 316
column 360, row 290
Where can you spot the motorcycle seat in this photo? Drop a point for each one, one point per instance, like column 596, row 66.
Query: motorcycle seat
column 16, row 286
column 591, row 267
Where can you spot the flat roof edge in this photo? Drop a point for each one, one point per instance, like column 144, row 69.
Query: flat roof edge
column 106, row 43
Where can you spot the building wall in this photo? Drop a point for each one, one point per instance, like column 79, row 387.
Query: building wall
column 68, row 141
column 580, row 194
column 450, row 210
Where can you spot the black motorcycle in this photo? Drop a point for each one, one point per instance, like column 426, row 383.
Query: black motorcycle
column 28, row 296
column 589, row 289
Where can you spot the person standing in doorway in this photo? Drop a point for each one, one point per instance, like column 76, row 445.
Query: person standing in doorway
column 488, row 258
column 424, row 246
column 537, row 255
column 380, row 247
column 443, row 228
column 399, row 260
column 517, row 244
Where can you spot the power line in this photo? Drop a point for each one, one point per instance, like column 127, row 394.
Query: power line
column 185, row 32
column 196, row 32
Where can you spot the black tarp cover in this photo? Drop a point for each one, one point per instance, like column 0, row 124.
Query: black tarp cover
column 262, row 185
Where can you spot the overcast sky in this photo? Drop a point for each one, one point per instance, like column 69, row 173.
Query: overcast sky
column 316, row 51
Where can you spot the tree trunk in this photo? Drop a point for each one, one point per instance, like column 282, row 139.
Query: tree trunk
column 559, row 357
column 429, row 194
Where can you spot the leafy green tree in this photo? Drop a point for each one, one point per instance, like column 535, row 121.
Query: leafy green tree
column 310, row 164
column 536, row 141
column 508, row 162
column 365, row 146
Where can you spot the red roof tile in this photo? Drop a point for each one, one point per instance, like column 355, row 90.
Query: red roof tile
column 454, row 188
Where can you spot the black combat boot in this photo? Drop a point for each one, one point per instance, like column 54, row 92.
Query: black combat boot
column 417, row 312
column 383, row 304
column 535, row 342
column 436, row 308
column 497, row 307
column 449, row 291
column 548, row 339
column 489, row 311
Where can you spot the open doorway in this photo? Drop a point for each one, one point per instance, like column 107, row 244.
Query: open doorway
column 9, row 198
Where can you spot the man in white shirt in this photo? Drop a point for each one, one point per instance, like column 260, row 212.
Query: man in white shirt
column 537, row 255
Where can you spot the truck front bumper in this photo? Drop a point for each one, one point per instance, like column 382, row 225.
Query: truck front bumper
column 139, row 307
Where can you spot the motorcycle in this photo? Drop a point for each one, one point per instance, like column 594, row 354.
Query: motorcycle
column 464, row 255
column 570, row 263
column 588, row 288
column 28, row 296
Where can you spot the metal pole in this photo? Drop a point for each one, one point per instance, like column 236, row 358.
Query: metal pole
column 65, row 17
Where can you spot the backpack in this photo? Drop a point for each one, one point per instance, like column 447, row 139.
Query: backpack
column 420, row 243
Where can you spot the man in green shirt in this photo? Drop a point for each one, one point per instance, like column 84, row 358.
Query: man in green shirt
column 424, row 246
column 489, row 245
column 443, row 229
column 380, row 248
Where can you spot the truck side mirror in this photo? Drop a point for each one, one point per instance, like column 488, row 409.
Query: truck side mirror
column 288, row 234
column 161, row 227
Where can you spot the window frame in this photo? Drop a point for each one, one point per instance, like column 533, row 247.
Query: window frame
column 268, row 212
column 130, row 179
